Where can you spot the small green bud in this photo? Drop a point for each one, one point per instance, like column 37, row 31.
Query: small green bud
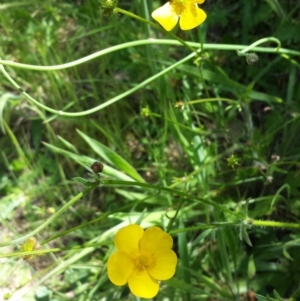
column 146, row 112
column 179, row 104
column 233, row 161
column 198, row 61
column 108, row 7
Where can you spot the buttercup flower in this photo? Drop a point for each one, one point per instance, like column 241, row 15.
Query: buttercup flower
column 142, row 258
column 187, row 10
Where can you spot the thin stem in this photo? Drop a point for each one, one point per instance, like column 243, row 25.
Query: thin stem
column 117, row 183
column 242, row 48
column 203, row 227
column 118, row 47
column 105, row 104
column 96, row 220
column 172, row 191
column 154, row 25
column 54, row 250
column 51, row 218
column 209, row 100
column 253, row 222
column 295, row 294
column 261, row 41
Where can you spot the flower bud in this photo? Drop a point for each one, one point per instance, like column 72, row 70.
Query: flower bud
column 97, row 167
column 251, row 58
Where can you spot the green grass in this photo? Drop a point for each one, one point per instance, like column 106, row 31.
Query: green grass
column 235, row 227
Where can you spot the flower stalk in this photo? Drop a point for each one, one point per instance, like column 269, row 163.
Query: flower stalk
column 143, row 20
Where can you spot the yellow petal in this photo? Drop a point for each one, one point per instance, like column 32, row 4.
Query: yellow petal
column 199, row 1
column 155, row 239
column 142, row 284
column 191, row 17
column 127, row 238
column 119, row 268
column 166, row 16
column 164, row 266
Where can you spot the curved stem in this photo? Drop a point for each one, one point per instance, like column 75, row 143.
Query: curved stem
column 142, row 84
column 105, row 104
column 242, row 48
column 261, row 41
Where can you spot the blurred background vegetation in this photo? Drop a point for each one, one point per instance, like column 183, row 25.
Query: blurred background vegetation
column 189, row 147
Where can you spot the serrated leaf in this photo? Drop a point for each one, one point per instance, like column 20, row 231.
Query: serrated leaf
column 246, row 236
column 262, row 298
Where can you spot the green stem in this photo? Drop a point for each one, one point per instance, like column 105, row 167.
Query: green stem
column 121, row 46
column 172, row 191
column 54, row 250
column 295, row 294
column 51, row 218
column 203, row 227
column 98, row 219
column 118, row 183
column 15, row 142
column 261, row 41
column 209, row 100
column 154, row 25
column 105, row 104
column 253, row 222
column 242, row 48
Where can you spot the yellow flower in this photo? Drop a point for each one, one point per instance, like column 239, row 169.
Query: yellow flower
column 142, row 258
column 187, row 10
column 29, row 245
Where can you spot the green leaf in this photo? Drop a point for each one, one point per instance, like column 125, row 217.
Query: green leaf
column 111, row 157
column 274, row 4
column 42, row 293
column 68, row 144
column 202, row 236
column 277, row 296
column 251, row 267
column 245, row 235
column 3, row 100
column 230, row 85
column 262, row 298
column 82, row 181
column 87, row 161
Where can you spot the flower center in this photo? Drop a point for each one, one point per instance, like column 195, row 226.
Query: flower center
column 142, row 261
column 178, row 6
column 178, row 2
